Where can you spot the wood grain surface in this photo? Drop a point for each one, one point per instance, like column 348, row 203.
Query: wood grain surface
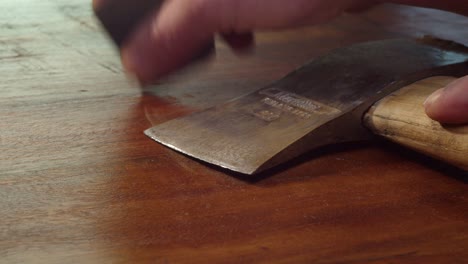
column 80, row 183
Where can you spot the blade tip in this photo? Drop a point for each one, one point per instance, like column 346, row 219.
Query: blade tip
column 247, row 170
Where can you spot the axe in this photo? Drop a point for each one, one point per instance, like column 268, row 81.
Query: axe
column 352, row 94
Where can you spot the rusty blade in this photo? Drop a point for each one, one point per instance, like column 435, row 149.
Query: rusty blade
column 320, row 103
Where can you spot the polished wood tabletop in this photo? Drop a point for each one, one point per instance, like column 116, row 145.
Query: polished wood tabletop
column 81, row 183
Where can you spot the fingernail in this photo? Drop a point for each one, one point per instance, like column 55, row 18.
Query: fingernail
column 433, row 98
column 136, row 64
column 129, row 60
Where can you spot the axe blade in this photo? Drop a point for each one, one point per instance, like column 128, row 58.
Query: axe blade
column 318, row 104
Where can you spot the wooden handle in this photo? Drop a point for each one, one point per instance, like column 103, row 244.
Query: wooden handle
column 400, row 117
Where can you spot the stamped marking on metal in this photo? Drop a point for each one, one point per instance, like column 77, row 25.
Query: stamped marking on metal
column 286, row 108
column 294, row 104
column 291, row 99
column 267, row 115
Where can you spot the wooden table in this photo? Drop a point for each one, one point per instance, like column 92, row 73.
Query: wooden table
column 80, row 183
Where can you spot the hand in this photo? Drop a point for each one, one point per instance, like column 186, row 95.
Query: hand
column 449, row 104
column 183, row 28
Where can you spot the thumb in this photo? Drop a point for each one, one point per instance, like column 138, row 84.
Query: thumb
column 449, row 104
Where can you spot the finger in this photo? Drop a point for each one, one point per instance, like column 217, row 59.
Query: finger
column 449, row 104
column 165, row 41
column 183, row 28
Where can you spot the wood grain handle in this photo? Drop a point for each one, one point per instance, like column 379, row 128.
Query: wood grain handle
column 400, row 117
